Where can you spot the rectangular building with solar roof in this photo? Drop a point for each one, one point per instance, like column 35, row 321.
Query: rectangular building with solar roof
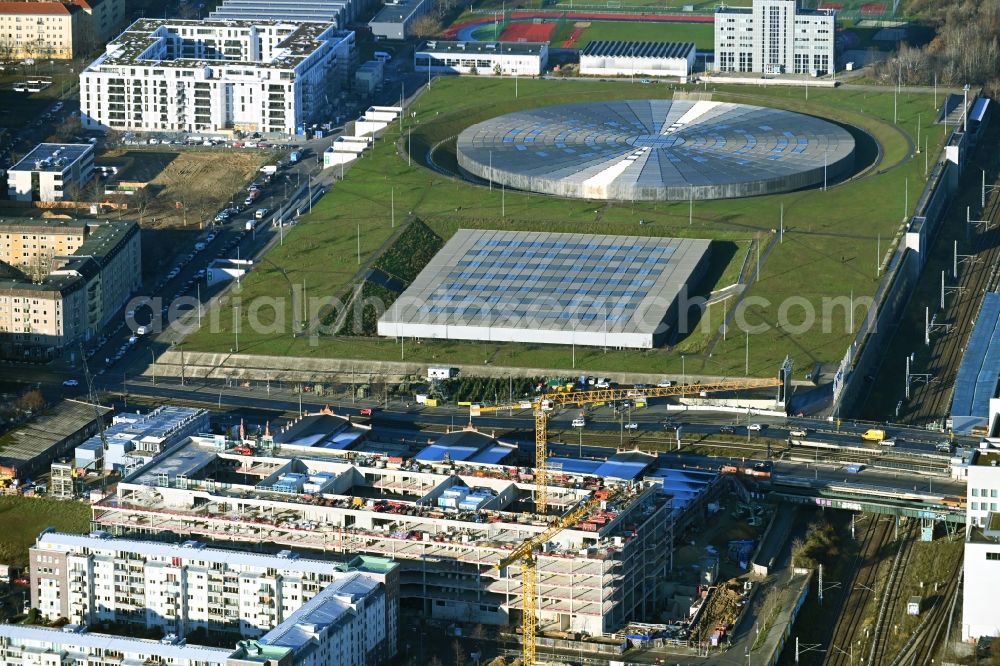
column 579, row 289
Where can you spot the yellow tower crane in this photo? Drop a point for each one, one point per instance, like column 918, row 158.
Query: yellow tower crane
column 541, row 405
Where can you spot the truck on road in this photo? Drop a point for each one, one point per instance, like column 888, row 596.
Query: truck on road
column 294, row 157
column 269, row 170
column 873, row 435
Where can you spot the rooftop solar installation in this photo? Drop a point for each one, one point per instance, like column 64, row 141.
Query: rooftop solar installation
column 977, row 377
column 656, row 150
column 550, row 288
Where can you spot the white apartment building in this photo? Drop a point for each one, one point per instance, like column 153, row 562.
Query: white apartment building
column 51, row 172
column 482, row 58
column 342, row 625
column 183, row 587
column 774, row 37
column 980, row 612
column 216, row 76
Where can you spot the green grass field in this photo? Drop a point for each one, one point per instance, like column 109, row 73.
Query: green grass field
column 702, row 34
column 23, row 518
column 829, row 249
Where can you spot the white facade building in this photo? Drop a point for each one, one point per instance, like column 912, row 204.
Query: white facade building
column 637, row 58
column 51, row 172
column 342, row 625
column 482, row 58
column 180, row 588
column 774, row 37
column 980, row 612
column 216, row 76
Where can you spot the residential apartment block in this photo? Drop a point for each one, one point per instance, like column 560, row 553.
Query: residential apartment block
column 349, row 621
column 51, row 172
column 59, row 30
column 448, row 518
column 62, row 280
column 180, row 588
column 216, row 76
column 774, row 37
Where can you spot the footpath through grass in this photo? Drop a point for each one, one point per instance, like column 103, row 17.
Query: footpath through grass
column 23, row 518
column 830, row 248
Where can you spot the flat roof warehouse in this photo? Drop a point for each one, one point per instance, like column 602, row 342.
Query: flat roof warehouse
column 619, row 291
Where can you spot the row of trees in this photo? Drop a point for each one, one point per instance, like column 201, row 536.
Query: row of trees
column 965, row 50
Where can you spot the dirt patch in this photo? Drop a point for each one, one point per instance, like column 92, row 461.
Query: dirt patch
column 187, row 187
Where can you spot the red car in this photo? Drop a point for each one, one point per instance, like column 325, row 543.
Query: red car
column 365, row 411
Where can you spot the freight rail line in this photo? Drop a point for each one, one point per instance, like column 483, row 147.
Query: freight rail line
column 859, row 591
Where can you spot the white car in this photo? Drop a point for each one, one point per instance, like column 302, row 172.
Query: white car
column 666, row 383
column 602, row 383
column 798, row 433
column 887, row 442
column 755, row 427
column 71, row 382
column 579, row 423
column 632, row 426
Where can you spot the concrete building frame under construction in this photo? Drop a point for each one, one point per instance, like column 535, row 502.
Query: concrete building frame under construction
column 448, row 524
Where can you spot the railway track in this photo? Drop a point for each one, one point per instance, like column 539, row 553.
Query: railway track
column 894, row 604
column 931, row 401
column 920, row 649
column 861, row 591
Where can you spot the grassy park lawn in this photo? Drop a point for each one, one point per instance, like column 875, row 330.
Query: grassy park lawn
column 830, row 248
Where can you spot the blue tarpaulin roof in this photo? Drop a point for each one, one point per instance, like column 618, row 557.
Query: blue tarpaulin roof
column 574, row 466
column 683, row 484
column 979, row 110
column 977, row 377
column 626, row 471
column 467, row 446
column 492, row 455
column 436, row 453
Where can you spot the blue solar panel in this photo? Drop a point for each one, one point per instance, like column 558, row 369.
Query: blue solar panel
column 977, row 376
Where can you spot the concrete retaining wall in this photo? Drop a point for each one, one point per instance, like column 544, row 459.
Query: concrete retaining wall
column 192, row 365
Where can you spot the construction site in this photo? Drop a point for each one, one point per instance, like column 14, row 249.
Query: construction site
column 568, row 549
column 449, row 525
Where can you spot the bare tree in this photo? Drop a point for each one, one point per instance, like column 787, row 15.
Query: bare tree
column 461, row 657
column 30, row 402
column 141, row 200
column 426, row 26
